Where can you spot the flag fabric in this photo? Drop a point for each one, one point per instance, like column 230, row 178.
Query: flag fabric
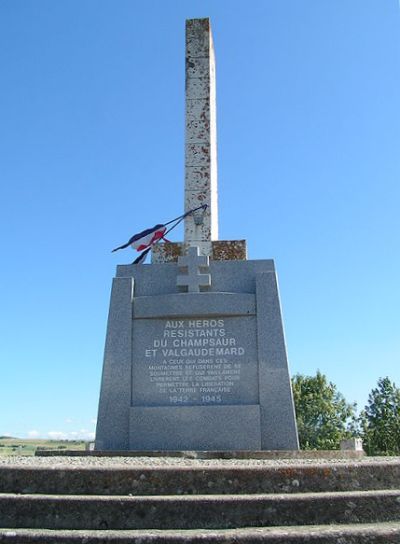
column 142, row 256
column 145, row 239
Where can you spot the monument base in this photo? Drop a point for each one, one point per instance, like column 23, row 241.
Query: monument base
column 196, row 370
column 195, row 427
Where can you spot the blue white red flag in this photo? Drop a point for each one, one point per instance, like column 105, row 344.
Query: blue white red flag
column 145, row 239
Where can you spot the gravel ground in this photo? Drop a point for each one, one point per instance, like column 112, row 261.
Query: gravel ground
column 136, row 462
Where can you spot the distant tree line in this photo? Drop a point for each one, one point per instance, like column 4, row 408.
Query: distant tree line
column 324, row 417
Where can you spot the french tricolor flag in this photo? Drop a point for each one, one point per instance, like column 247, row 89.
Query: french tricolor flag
column 145, row 239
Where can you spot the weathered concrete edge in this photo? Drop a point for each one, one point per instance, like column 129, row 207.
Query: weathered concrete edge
column 377, row 533
column 240, row 454
column 195, row 512
column 212, row 480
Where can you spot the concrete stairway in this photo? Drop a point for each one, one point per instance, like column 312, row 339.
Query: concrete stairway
column 354, row 502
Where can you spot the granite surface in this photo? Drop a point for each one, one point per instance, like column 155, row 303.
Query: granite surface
column 197, row 370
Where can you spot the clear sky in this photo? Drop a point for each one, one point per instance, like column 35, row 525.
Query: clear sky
column 91, row 151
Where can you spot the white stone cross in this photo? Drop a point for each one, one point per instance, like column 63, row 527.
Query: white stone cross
column 193, row 280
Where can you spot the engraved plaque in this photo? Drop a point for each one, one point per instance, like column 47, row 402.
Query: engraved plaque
column 194, row 361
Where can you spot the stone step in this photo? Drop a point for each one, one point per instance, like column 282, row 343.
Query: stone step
column 197, row 511
column 384, row 533
column 214, row 454
column 200, row 480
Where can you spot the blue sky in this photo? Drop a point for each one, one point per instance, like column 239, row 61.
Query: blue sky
column 91, row 151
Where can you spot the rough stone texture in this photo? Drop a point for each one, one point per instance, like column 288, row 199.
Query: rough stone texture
column 197, row 511
column 221, row 250
column 230, row 456
column 200, row 135
column 70, row 492
column 137, row 478
column 168, row 253
column 384, row 533
column 229, row 250
column 219, row 352
column 249, row 500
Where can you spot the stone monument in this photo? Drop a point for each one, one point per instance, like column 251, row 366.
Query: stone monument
column 195, row 355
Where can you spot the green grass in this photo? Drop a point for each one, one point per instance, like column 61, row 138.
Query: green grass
column 18, row 446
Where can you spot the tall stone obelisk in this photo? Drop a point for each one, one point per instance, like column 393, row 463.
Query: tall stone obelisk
column 201, row 228
column 195, row 355
column 200, row 136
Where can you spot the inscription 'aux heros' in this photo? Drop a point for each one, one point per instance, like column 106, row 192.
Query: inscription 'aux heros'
column 194, row 323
